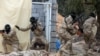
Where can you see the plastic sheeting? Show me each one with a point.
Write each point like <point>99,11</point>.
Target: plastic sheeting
<point>16,12</point>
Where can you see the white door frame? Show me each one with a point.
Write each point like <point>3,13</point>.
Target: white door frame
<point>48,18</point>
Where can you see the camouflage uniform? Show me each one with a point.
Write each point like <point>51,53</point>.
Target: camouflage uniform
<point>65,34</point>
<point>10,39</point>
<point>90,29</point>
<point>38,36</point>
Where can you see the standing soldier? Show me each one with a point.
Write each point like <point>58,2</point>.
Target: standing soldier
<point>89,30</point>
<point>10,38</point>
<point>65,34</point>
<point>37,29</point>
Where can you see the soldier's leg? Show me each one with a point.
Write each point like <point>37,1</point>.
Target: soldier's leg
<point>93,42</point>
<point>15,47</point>
<point>32,44</point>
<point>46,43</point>
<point>42,46</point>
<point>63,49</point>
<point>86,39</point>
<point>59,53</point>
<point>5,46</point>
<point>93,39</point>
<point>69,46</point>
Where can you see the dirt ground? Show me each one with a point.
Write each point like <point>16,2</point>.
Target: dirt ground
<point>78,48</point>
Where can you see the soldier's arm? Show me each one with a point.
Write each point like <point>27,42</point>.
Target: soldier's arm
<point>23,29</point>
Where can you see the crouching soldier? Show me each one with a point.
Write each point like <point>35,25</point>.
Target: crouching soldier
<point>38,39</point>
<point>66,32</point>
<point>89,30</point>
<point>9,38</point>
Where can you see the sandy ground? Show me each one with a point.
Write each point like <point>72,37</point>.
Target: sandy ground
<point>78,48</point>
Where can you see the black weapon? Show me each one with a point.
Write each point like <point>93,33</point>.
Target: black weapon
<point>2,31</point>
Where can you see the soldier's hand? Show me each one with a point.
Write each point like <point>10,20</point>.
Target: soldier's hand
<point>17,27</point>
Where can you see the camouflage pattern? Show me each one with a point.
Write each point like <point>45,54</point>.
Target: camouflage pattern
<point>66,34</point>
<point>90,29</point>
<point>38,35</point>
<point>10,39</point>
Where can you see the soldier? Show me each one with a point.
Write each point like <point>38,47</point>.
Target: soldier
<point>37,29</point>
<point>66,25</point>
<point>65,34</point>
<point>10,38</point>
<point>89,30</point>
